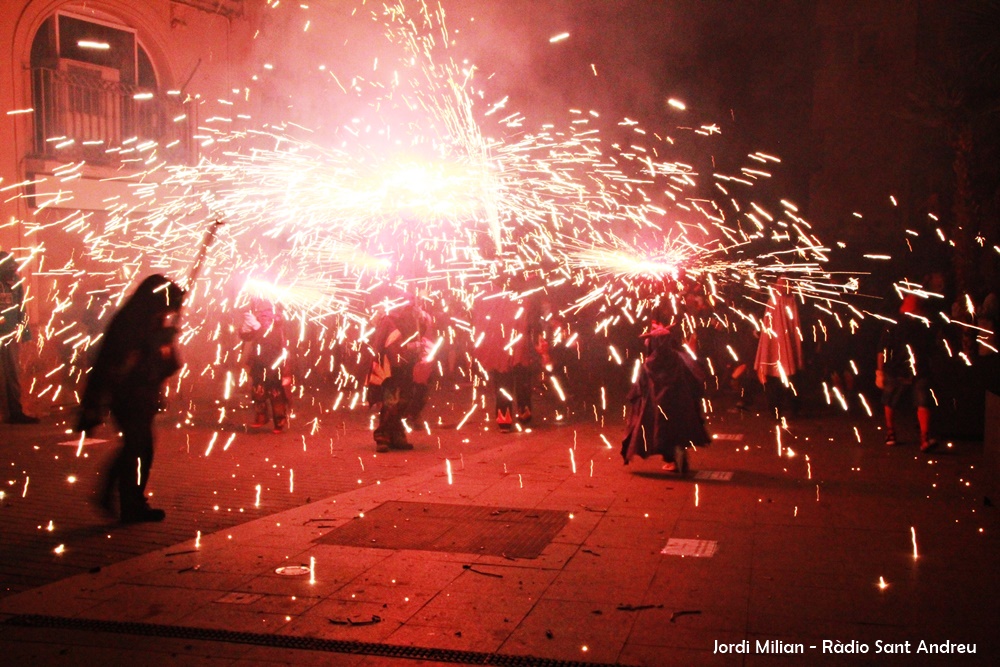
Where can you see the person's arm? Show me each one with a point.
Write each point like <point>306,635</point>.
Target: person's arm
<point>249,327</point>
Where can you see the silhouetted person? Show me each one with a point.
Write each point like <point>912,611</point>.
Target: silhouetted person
<point>509,329</point>
<point>904,369</point>
<point>779,349</point>
<point>13,332</point>
<point>665,404</point>
<point>136,358</point>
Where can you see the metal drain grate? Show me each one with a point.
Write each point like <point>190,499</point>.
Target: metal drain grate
<point>475,529</point>
<point>290,642</point>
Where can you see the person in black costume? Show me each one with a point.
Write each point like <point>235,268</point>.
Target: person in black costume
<point>665,412</point>
<point>137,356</point>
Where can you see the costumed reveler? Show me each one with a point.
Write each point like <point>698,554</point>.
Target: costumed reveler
<point>136,358</point>
<point>401,346</point>
<point>268,361</point>
<point>664,403</point>
<point>509,327</point>
<point>13,332</point>
<point>779,350</point>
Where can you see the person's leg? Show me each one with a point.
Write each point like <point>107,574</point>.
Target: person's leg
<point>772,396</point>
<point>9,369</point>
<point>258,394</point>
<point>523,387</point>
<point>922,397</point>
<point>504,385</point>
<point>279,404</point>
<point>383,430</point>
<point>418,399</point>
<point>133,465</point>
<point>924,420</point>
<point>890,426</point>
<point>397,411</point>
<point>106,492</point>
<point>7,381</point>
<point>390,433</point>
<point>891,391</point>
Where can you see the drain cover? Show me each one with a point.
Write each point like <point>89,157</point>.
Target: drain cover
<point>293,570</point>
<point>494,531</point>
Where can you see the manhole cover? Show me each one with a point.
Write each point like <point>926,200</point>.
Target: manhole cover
<point>293,570</point>
<point>495,531</point>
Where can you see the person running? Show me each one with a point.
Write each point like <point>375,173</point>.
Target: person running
<point>137,356</point>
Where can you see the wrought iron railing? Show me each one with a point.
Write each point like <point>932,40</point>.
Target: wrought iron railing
<point>80,116</point>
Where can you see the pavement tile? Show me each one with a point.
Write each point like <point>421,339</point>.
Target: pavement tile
<point>568,630</point>
<point>635,532</point>
<point>347,620</point>
<point>147,604</point>
<point>234,618</point>
<point>696,583</point>
<point>511,591</point>
<point>454,628</point>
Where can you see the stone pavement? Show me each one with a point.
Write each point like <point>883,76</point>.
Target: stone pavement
<point>807,536</point>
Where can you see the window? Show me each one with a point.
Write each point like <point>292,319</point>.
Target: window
<point>94,90</point>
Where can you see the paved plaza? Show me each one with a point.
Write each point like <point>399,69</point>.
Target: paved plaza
<point>537,547</point>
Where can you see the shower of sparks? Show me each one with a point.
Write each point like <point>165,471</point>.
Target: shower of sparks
<point>913,539</point>
<point>447,468</point>
<point>337,225</point>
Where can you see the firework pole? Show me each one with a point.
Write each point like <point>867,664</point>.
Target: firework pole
<point>203,252</point>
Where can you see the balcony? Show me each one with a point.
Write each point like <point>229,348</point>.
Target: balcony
<point>83,113</point>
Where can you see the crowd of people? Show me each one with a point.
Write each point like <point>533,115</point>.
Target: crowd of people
<point>521,344</point>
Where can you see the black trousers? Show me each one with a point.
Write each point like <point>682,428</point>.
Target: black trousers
<point>397,404</point>
<point>513,386</point>
<point>11,386</point>
<point>129,471</point>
